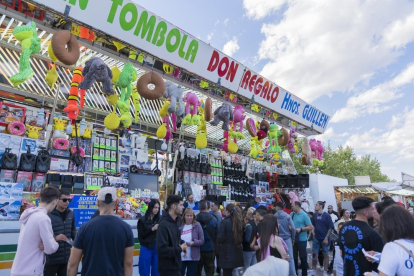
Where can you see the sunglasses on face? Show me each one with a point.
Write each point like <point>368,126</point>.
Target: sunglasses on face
<point>66,199</point>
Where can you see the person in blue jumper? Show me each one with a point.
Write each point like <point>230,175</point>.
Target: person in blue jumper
<point>191,203</point>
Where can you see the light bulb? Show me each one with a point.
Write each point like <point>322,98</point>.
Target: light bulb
<point>164,146</point>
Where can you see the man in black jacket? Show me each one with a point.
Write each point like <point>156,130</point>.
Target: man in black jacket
<point>63,224</point>
<point>210,229</point>
<point>169,243</point>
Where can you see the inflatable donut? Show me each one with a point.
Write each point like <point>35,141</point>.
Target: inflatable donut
<point>61,39</point>
<point>16,128</point>
<point>251,127</point>
<point>61,144</point>
<point>283,140</point>
<point>81,151</point>
<point>208,110</point>
<point>264,125</point>
<point>151,78</point>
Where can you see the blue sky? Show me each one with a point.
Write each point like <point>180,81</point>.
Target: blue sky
<point>352,59</point>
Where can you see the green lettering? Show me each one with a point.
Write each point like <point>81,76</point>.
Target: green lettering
<point>114,8</point>
<point>82,3</point>
<point>181,52</point>
<point>173,33</point>
<point>147,26</point>
<point>159,36</point>
<point>125,25</point>
<point>192,50</point>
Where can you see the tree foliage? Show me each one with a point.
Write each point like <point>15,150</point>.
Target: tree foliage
<point>342,162</point>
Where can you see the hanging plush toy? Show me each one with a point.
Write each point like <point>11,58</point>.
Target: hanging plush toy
<point>96,70</point>
<point>319,150</point>
<point>112,121</point>
<point>306,153</point>
<point>253,147</point>
<point>273,134</point>
<point>51,76</point>
<point>135,101</point>
<point>33,131</point>
<point>59,128</point>
<point>76,96</point>
<point>175,95</point>
<point>313,147</point>
<point>238,118</point>
<point>276,159</point>
<point>283,139</point>
<point>127,76</point>
<point>191,108</point>
<point>263,129</point>
<point>225,114</point>
<point>201,138</point>
<point>293,138</point>
<point>27,35</point>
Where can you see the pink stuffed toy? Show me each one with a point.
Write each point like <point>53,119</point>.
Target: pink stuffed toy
<point>314,147</point>
<point>319,150</point>
<point>238,117</point>
<point>293,197</point>
<point>191,109</point>
<point>293,136</point>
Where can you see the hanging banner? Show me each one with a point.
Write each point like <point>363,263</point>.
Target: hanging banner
<point>136,26</point>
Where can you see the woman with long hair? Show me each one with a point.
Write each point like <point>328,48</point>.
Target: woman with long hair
<point>192,234</point>
<point>230,238</point>
<point>250,231</point>
<point>270,243</point>
<point>396,228</point>
<point>147,230</point>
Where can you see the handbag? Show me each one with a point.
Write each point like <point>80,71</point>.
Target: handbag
<point>334,236</point>
<point>405,249</point>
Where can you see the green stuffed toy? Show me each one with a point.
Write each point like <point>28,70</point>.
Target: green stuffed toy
<point>127,76</point>
<point>27,35</point>
<point>273,133</point>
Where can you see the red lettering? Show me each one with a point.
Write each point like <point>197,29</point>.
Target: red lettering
<point>221,71</point>
<point>265,90</point>
<point>252,82</point>
<point>268,94</point>
<point>258,86</point>
<point>246,79</point>
<point>215,58</point>
<point>275,94</point>
<point>232,71</point>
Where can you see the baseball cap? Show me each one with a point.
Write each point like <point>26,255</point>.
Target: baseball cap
<point>107,195</point>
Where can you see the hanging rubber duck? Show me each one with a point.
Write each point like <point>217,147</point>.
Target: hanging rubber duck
<point>51,76</point>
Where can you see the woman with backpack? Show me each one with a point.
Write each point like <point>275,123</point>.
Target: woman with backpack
<point>250,230</point>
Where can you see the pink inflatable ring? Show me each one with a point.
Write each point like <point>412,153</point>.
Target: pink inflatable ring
<point>251,127</point>
<point>81,151</point>
<point>16,128</point>
<point>61,144</point>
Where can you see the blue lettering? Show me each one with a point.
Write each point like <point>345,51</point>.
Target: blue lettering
<point>286,101</point>
<point>409,264</point>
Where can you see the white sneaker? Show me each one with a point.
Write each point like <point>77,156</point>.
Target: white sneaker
<point>321,269</point>
<point>325,273</point>
<point>312,272</point>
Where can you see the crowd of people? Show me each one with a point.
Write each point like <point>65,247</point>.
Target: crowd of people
<point>378,240</point>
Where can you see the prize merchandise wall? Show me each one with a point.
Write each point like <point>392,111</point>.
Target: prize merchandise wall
<point>91,109</point>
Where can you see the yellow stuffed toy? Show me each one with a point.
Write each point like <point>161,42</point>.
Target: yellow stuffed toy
<point>59,124</point>
<point>201,138</point>
<point>135,101</point>
<point>112,121</point>
<point>33,131</point>
<point>51,76</point>
<point>162,131</point>
<point>88,133</point>
<point>164,109</point>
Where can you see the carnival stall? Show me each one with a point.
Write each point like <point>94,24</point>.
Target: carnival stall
<point>126,99</point>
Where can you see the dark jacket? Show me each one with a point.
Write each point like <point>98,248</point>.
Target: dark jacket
<point>186,206</point>
<point>210,229</point>
<point>146,236</point>
<point>231,256</point>
<point>168,245</point>
<point>250,231</point>
<point>67,227</point>
<point>197,237</point>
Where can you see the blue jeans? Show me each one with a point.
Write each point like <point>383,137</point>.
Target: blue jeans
<point>191,267</point>
<point>148,261</point>
<point>292,270</point>
<point>249,259</point>
<point>317,244</point>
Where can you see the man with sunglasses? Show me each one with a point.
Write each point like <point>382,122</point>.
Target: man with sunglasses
<point>63,225</point>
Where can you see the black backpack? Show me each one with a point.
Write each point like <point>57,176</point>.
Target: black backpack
<point>9,160</point>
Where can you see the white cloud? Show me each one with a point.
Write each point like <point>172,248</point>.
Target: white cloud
<point>226,21</point>
<point>320,47</point>
<point>258,9</point>
<point>210,36</point>
<point>330,135</point>
<point>397,143</point>
<point>375,99</point>
<point>231,47</point>
<point>217,22</point>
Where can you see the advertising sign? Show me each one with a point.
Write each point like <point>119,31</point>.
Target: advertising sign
<point>10,200</point>
<point>83,208</point>
<point>136,26</point>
